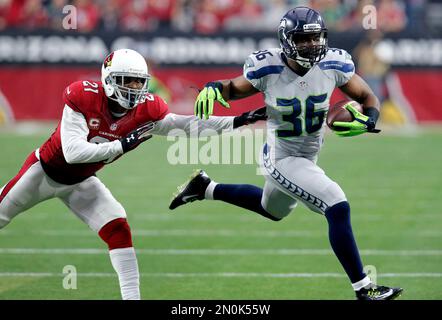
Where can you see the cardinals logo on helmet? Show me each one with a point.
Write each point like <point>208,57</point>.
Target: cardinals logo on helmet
<point>108,61</point>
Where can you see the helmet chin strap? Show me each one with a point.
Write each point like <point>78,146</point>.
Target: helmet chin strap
<point>303,62</point>
<point>114,98</point>
<point>114,113</point>
<point>118,115</point>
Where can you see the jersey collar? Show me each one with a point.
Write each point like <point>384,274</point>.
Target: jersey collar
<point>284,59</point>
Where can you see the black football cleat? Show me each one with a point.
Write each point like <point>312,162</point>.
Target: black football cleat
<point>193,189</point>
<point>378,293</point>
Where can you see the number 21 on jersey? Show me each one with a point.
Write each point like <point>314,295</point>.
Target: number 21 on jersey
<point>302,116</point>
<point>90,86</point>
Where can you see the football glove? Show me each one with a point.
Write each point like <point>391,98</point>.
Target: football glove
<point>250,117</point>
<point>134,138</point>
<point>361,124</point>
<point>206,99</point>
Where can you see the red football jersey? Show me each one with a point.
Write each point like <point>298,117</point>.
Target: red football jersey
<point>89,99</point>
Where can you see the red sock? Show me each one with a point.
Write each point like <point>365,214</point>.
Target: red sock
<point>116,234</point>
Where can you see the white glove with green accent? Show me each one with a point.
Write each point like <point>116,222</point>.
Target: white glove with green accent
<point>206,99</point>
<point>361,124</point>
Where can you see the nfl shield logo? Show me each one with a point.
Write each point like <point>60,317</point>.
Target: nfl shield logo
<point>113,126</point>
<point>303,84</point>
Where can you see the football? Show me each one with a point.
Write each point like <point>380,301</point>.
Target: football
<point>337,112</point>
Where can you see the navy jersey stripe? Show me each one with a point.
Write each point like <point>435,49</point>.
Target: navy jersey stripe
<point>264,71</point>
<point>337,65</point>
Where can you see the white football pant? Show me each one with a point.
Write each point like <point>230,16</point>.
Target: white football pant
<point>89,200</point>
<point>293,179</point>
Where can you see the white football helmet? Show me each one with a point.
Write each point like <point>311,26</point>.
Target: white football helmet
<point>119,65</point>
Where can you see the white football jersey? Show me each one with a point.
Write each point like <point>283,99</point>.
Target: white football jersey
<point>297,106</point>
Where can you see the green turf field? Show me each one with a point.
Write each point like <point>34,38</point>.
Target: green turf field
<point>210,250</point>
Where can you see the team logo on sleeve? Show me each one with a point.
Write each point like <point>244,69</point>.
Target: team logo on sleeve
<point>108,61</point>
<point>114,126</point>
<point>94,123</point>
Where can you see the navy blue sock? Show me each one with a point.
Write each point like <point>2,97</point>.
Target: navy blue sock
<point>242,195</point>
<point>342,240</point>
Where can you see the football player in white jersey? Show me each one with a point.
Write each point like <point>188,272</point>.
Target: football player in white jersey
<point>297,81</point>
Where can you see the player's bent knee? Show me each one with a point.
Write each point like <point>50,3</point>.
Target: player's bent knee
<point>272,217</point>
<point>3,222</point>
<point>4,217</point>
<point>334,195</point>
<point>339,210</point>
<point>116,234</point>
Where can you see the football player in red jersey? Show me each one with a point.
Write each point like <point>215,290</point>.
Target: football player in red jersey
<point>100,122</point>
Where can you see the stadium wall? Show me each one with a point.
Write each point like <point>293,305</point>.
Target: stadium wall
<point>36,67</point>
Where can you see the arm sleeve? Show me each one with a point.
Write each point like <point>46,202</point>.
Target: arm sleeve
<point>179,125</point>
<point>76,148</point>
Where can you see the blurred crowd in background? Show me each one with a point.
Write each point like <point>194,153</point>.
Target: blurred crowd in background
<point>206,16</point>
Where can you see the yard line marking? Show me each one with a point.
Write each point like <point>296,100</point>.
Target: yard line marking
<point>152,217</point>
<point>222,275</point>
<point>182,233</point>
<point>207,233</point>
<point>210,217</point>
<point>250,217</point>
<point>220,252</point>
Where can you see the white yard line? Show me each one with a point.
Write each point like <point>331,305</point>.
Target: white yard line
<point>220,252</point>
<point>207,233</point>
<point>179,233</point>
<point>434,214</point>
<point>223,275</point>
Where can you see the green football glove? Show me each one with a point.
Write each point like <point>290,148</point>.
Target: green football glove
<point>350,132</point>
<point>206,99</point>
<point>361,124</point>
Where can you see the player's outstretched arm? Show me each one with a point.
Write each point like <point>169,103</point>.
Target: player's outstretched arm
<point>250,117</point>
<point>176,125</point>
<point>76,149</point>
<point>221,91</point>
<point>357,89</point>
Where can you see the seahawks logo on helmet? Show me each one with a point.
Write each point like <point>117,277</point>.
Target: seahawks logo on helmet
<point>285,24</point>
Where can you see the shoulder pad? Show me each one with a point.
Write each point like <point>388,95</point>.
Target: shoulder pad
<point>338,65</point>
<point>262,63</point>
<point>154,108</point>
<point>337,59</point>
<point>82,94</point>
<point>337,54</point>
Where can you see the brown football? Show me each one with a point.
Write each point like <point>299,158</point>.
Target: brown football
<point>337,112</point>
